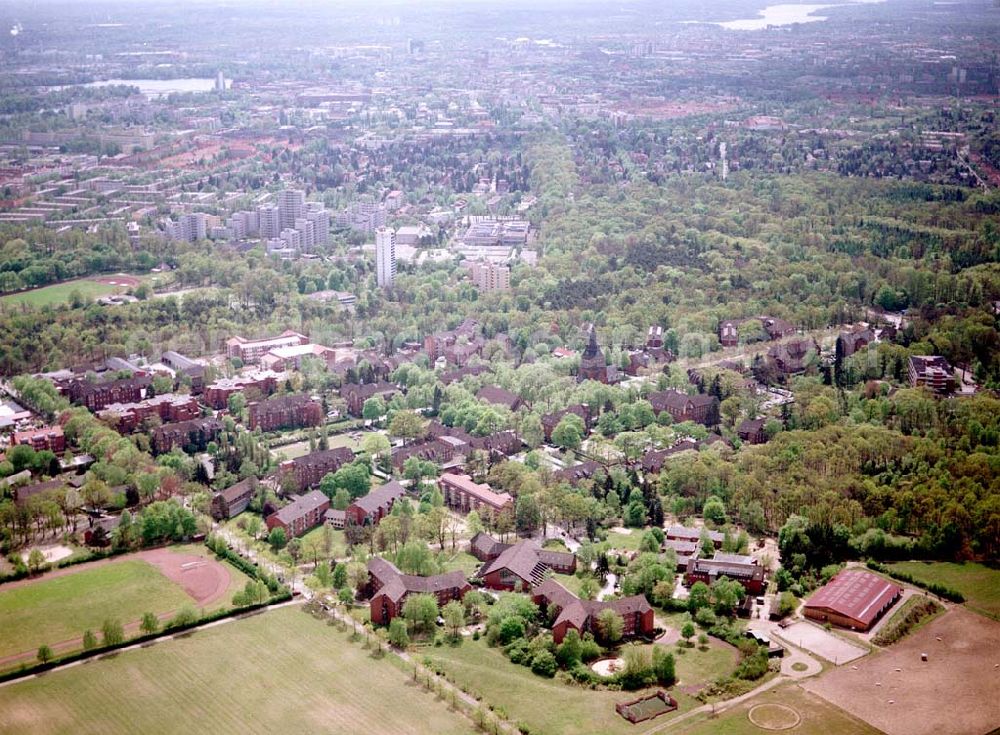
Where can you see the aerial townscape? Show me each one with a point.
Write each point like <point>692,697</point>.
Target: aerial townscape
<point>549,367</point>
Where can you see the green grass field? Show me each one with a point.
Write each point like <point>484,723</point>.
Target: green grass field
<point>624,541</point>
<point>549,706</point>
<point>462,560</point>
<point>280,671</point>
<point>62,608</point>
<point>59,293</point>
<point>979,583</point>
<point>59,609</point>
<point>338,547</point>
<point>817,717</point>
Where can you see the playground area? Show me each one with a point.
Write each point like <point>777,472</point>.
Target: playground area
<point>953,691</point>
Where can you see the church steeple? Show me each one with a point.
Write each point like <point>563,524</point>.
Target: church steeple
<point>592,350</point>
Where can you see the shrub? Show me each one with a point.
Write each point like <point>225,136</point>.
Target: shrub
<point>544,663</point>
<point>589,650</point>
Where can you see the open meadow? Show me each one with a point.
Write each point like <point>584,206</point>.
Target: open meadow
<point>788,709</point>
<point>57,608</point>
<point>550,706</point>
<point>979,583</point>
<point>276,671</point>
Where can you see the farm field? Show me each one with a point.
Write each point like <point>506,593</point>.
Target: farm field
<point>899,694</point>
<point>778,706</point>
<point>979,583</point>
<point>547,705</point>
<point>91,288</point>
<point>56,609</point>
<point>279,671</point>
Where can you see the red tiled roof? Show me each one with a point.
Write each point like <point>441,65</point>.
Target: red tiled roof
<point>855,594</point>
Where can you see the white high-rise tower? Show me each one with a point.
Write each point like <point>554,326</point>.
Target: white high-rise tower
<point>385,256</point>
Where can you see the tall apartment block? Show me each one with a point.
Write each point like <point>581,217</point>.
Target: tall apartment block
<point>385,256</point>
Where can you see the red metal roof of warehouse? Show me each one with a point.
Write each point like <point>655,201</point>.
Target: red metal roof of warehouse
<point>855,594</point>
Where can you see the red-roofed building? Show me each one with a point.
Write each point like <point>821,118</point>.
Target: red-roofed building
<point>461,493</point>
<point>48,437</point>
<point>852,599</point>
<point>573,613</point>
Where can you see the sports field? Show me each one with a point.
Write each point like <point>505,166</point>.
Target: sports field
<point>979,583</point>
<point>90,288</point>
<point>279,671</point>
<point>56,609</point>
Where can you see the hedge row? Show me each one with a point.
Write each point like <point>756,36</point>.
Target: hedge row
<point>933,587</point>
<point>39,667</point>
<point>218,546</point>
<point>897,628</point>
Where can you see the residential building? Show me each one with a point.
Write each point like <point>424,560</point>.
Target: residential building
<point>320,219</point>
<point>850,342</point>
<point>572,613</point>
<point>524,565</point>
<point>500,397</point>
<point>446,344</point>
<point>355,395</point>
<point>96,396</point>
<point>777,328</point>
<point>385,257</point>
<point>794,356</point>
<point>307,471</point>
<point>376,505</point>
<point>49,438</point>
<point>932,372</point>
<point>188,227</point>
<point>701,407</point>
<point>290,357</point>
<point>285,412</point>
<point>462,494</point>
<point>488,276</point>
<point>291,206</point>
<point>682,533</point>
<point>300,515</point>
<point>752,431</point>
<point>388,589</point>
<point>551,420</point>
<point>742,569</point>
<point>269,221</point>
<point>195,433</point>
<point>217,394</point>
<point>169,407</point>
<point>232,501</point>
<point>854,598</point>
<point>251,350</point>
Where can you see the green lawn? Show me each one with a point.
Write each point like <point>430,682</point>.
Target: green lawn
<point>339,546</point>
<point>979,583</point>
<point>549,706</point>
<point>625,541</point>
<point>280,671</point>
<point>62,608</point>
<point>817,717</point>
<point>58,293</point>
<point>461,560</point>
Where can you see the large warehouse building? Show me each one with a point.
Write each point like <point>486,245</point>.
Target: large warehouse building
<point>852,599</point>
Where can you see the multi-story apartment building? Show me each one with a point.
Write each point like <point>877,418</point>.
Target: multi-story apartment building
<point>385,257</point>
